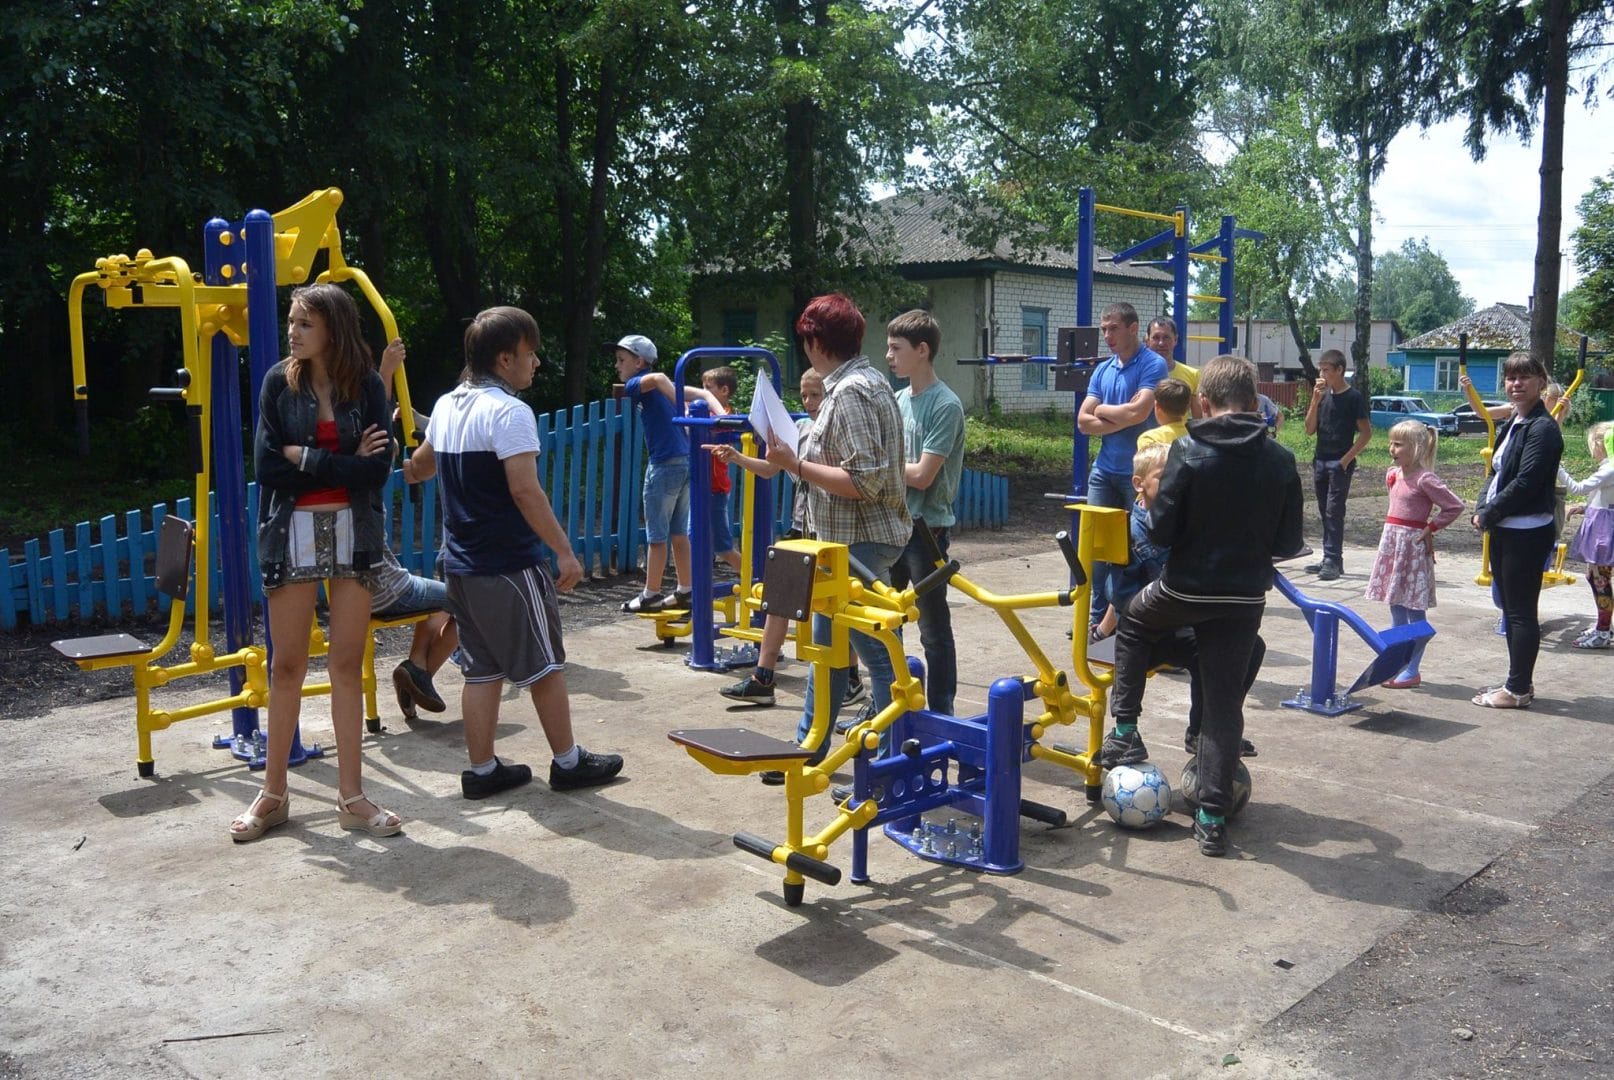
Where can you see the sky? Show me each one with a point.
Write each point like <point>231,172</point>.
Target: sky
<point>1482,215</point>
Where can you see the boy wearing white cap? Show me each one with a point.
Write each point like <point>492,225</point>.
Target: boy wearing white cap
<point>666,479</point>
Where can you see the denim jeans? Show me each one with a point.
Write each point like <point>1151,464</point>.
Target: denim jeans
<point>877,559</point>
<point>1333,486</point>
<point>1106,489</point>
<point>935,621</point>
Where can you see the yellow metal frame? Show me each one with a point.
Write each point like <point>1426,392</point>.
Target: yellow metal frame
<point>879,611</point>
<point>144,281</point>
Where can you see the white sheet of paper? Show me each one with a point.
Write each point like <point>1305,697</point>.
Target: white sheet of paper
<point>768,414</point>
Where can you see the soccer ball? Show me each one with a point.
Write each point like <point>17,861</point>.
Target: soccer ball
<point>1136,796</point>
<point>1189,784</point>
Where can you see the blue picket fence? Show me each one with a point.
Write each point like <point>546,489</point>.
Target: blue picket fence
<point>592,466</point>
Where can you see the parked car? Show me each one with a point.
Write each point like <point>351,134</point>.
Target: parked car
<point>1387,411</point>
<point>1470,422</point>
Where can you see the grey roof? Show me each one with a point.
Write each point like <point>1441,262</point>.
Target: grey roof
<point>1503,327</point>
<point>926,227</point>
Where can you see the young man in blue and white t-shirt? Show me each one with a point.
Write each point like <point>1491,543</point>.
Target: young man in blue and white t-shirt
<point>483,441</point>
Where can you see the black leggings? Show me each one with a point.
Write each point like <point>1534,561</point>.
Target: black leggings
<point>1517,556</point>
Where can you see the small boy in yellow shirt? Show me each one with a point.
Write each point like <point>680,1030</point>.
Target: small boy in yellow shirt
<point>1171,400</point>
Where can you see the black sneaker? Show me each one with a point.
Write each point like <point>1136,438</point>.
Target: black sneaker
<point>502,778</point>
<point>1331,571</point>
<point>591,770</point>
<point>844,725</point>
<point>644,605</point>
<point>750,689</point>
<point>1312,568</point>
<point>1190,743</point>
<point>678,600</point>
<point>1120,749</point>
<point>772,777</point>
<point>409,677</point>
<point>856,691</point>
<point>1212,837</point>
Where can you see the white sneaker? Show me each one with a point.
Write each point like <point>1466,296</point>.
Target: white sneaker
<point>1594,639</point>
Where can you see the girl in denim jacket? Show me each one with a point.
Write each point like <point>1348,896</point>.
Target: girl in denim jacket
<point>321,455</point>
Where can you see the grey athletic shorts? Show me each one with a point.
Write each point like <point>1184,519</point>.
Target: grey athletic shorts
<point>509,626</point>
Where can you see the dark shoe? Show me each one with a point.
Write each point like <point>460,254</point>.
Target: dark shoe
<point>502,778</point>
<point>644,605</point>
<point>842,726</point>
<point>1190,743</point>
<point>678,600</point>
<point>409,676</point>
<point>404,690</point>
<point>1312,568</point>
<point>856,692</point>
<point>591,770</point>
<point>1122,750</point>
<point>772,777</point>
<point>1212,837</point>
<point>1330,572</point>
<point>750,689</point>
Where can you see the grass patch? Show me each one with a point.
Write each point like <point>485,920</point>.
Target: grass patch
<point>1040,443</point>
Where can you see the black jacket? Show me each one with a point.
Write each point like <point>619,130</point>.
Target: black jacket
<point>1229,502</point>
<point>1526,475</point>
<point>286,418</point>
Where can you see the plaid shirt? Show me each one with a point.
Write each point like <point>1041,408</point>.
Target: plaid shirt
<point>860,430</point>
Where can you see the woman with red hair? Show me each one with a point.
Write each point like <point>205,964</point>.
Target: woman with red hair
<point>851,466</point>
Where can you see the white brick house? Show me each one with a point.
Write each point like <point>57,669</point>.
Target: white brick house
<point>987,301</point>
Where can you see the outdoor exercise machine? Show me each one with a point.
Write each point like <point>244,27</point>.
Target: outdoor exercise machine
<point>232,303</point>
<point>1391,648</point>
<point>1554,573</point>
<point>756,518</point>
<point>907,761</point>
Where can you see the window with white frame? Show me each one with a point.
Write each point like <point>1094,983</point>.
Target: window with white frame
<point>1446,374</point>
<point>1034,342</point>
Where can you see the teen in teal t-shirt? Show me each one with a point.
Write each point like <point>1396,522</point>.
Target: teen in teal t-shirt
<point>933,423</point>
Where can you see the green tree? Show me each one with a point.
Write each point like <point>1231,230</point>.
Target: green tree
<point>1415,287</point>
<point>1503,61</point>
<point>1038,98</point>
<point>1592,309</point>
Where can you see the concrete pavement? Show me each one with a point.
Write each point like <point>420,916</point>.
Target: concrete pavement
<point>618,932</point>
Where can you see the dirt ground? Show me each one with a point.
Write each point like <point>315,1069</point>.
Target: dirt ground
<point>1509,974</point>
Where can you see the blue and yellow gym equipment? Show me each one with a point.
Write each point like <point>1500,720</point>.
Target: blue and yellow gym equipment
<point>1391,650</point>
<point>233,303</point>
<point>907,761</point>
<point>756,519</point>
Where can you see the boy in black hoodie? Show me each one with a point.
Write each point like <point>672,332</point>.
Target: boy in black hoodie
<point>1229,503</point>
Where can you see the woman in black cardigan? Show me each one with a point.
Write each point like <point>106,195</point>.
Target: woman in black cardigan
<point>1516,509</point>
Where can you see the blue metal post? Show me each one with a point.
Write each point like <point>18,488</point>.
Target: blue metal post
<point>700,538</point>
<point>1225,323</point>
<point>1005,749</point>
<point>1085,256</point>
<point>1179,286</point>
<point>230,489</point>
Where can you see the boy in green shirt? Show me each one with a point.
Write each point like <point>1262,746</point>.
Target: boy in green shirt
<point>933,429</point>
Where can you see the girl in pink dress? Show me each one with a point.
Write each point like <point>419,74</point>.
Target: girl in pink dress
<point>1404,571</point>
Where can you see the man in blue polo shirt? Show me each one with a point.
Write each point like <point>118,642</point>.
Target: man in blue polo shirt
<point>1119,407</point>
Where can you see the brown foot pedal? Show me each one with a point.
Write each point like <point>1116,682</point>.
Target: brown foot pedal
<point>739,750</point>
<point>1101,653</point>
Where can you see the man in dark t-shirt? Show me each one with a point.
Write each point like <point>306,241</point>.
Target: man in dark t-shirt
<point>1338,418</point>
